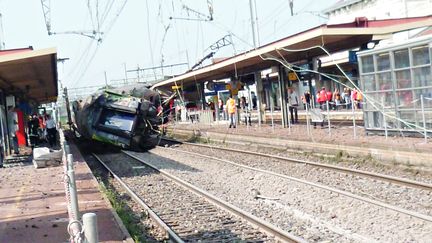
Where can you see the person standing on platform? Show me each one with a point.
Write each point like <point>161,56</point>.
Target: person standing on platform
<point>347,98</point>
<point>293,103</point>
<point>354,98</point>
<point>42,127</point>
<point>13,128</point>
<point>51,131</point>
<point>231,108</point>
<point>329,96</point>
<point>322,98</point>
<point>33,128</point>
<point>221,108</point>
<point>337,99</point>
<point>307,97</point>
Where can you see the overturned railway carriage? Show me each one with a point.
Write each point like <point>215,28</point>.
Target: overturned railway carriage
<point>128,117</point>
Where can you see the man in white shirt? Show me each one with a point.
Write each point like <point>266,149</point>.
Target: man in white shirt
<point>12,118</point>
<point>293,103</point>
<point>51,130</point>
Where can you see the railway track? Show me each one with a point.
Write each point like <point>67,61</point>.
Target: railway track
<point>393,179</point>
<point>391,212</point>
<point>185,212</point>
<point>364,199</point>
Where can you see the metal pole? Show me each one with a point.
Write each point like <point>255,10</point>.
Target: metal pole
<point>257,23</point>
<point>106,80</point>
<point>328,118</point>
<point>385,125</point>
<point>236,117</point>
<point>271,113</point>
<point>73,195</point>
<point>216,105</point>
<point>124,65</point>
<point>66,148</point>
<point>289,121</point>
<point>424,118</point>
<point>257,75</point>
<point>90,227</point>
<point>2,130</point>
<point>307,120</point>
<point>252,23</point>
<point>384,118</point>
<point>68,111</point>
<point>70,160</point>
<point>354,121</point>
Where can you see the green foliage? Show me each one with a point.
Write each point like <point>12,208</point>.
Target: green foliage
<point>130,221</point>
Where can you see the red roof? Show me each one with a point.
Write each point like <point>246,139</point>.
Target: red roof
<point>12,51</point>
<point>363,22</point>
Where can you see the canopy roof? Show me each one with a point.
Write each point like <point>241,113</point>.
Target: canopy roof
<point>30,73</point>
<point>333,38</point>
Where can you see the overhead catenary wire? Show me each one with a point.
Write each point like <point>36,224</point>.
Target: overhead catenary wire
<point>373,102</point>
<point>89,61</point>
<point>108,7</point>
<point>289,66</point>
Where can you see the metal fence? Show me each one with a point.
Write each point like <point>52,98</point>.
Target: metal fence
<point>80,229</point>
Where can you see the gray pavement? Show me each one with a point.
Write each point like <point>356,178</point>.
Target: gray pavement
<point>33,205</point>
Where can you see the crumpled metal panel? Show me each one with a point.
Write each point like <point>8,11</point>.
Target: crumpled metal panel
<point>125,117</point>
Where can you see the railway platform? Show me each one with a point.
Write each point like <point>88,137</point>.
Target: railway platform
<point>411,151</point>
<point>33,205</point>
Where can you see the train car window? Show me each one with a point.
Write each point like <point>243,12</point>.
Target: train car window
<point>117,120</point>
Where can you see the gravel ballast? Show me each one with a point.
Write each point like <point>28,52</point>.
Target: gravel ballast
<point>306,211</point>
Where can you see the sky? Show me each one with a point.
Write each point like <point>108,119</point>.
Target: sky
<point>146,33</point>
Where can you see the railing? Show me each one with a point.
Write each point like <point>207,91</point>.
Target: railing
<point>80,230</point>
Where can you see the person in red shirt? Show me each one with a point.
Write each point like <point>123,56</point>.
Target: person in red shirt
<point>354,98</point>
<point>323,97</point>
<point>329,96</point>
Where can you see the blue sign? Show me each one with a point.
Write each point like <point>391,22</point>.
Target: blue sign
<point>352,57</point>
<point>212,93</point>
<point>219,86</point>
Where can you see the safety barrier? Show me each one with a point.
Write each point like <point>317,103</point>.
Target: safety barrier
<point>79,231</point>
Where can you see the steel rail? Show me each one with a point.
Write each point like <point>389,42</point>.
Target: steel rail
<point>348,194</point>
<point>394,179</point>
<point>172,236</point>
<point>265,226</point>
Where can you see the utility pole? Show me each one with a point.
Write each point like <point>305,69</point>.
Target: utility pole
<point>106,80</point>
<point>66,97</point>
<point>257,24</point>
<point>125,70</point>
<point>291,3</point>
<point>257,75</point>
<point>252,23</point>
<point>2,42</point>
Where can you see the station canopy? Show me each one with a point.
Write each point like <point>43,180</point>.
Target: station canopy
<point>29,73</point>
<point>334,38</point>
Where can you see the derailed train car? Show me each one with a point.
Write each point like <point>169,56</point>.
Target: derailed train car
<point>128,117</point>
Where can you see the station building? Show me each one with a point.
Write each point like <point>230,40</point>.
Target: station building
<point>28,78</point>
<point>294,62</point>
<point>397,83</point>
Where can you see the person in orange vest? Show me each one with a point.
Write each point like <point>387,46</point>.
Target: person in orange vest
<point>354,98</point>
<point>231,108</point>
<point>359,98</point>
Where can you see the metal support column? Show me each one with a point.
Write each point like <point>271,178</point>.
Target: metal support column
<point>259,89</point>
<point>69,115</point>
<point>200,88</point>
<point>283,95</point>
<point>315,76</point>
<point>90,228</point>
